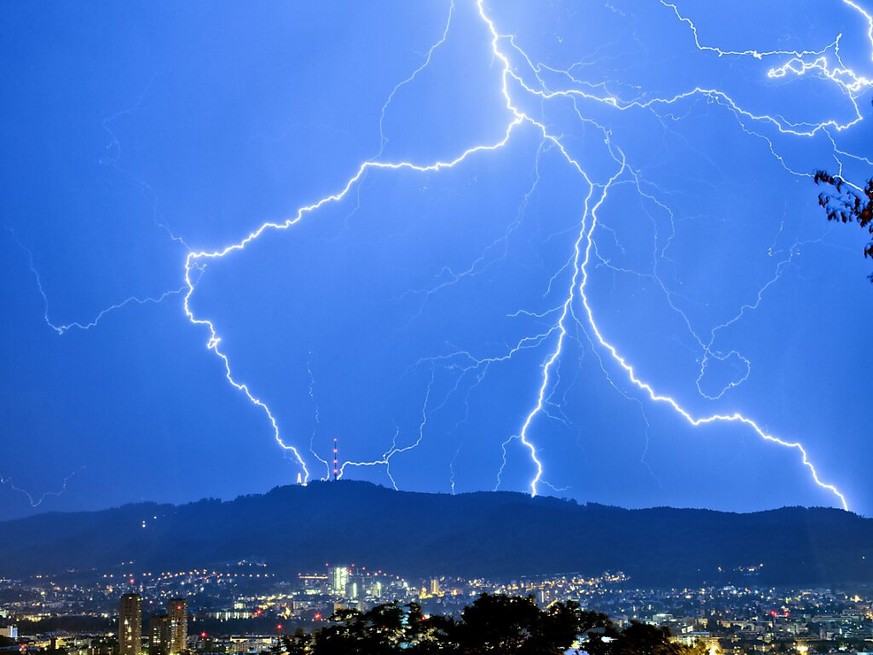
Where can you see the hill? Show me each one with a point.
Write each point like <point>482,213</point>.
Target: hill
<point>497,535</point>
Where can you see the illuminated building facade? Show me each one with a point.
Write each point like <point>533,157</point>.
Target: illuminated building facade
<point>130,625</point>
<point>159,634</point>
<point>339,580</point>
<point>177,610</point>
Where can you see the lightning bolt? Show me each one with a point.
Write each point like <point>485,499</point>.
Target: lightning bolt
<point>395,450</point>
<point>61,328</point>
<point>803,63</point>
<point>383,140</point>
<point>34,500</point>
<point>316,417</point>
<point>577,307</point>
<point>756,54</point>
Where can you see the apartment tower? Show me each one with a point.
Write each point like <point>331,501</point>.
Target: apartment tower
<point>130,625</point>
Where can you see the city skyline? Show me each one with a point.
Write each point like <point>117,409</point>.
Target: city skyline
<point>736,618</point>
<point>454,246</point>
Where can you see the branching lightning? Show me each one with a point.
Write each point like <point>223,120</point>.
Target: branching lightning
<point>395,450</point>
<point>522,78</point>
<point>37,500</point>
<point>61,328</point>
<point>584,248</point>
<point>741,53</point>
<point>316,417</point>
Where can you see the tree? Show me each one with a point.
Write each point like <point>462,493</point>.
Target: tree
<point>509,625</point>
<point>427,635</point>
<point>643,639</point>
<point>514,624</point>
<point>496,624</point>
<point>382,630</point>
<point>296,644</point>
<point>845,203</point>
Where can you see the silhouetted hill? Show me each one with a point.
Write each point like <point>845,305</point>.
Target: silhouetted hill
<point>479,534</point>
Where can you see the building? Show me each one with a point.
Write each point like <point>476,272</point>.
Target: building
<point>177,609</point>
<point>10,632</point>
<point>159,634</point>
<point>339,580</point>
<point>130,625</point>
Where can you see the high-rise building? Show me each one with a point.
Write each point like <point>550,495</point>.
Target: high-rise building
<point>177,609</point>
<point>339,580</point>
<point>159,634</point>
<point>130,625</point>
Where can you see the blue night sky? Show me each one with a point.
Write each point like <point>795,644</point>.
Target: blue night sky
<point>572,247</point>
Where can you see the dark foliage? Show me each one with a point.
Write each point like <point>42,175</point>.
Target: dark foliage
<point>843,203</point>
<point>509,625</point>
<point>638,639</point>
<point>513,624</point>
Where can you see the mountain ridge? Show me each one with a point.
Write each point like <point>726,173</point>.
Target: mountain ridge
<point>476,534</point>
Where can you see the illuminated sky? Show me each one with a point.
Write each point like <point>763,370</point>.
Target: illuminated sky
<point>570,248</point>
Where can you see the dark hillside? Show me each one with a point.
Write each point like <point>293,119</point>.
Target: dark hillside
<point>479,534</point>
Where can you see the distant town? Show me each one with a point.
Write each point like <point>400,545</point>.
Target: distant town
<point>244,608</point>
